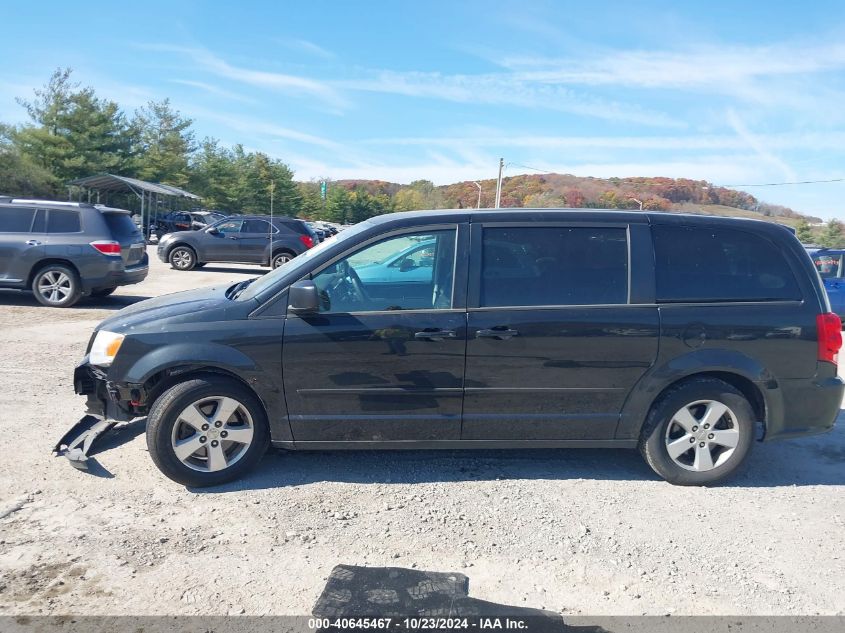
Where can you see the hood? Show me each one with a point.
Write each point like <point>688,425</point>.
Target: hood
<point>192,303</point>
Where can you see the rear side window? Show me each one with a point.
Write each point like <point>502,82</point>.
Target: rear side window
<point>120,225</point>
<point>256,226</point>
<point>554,266</point>
<point>705,264</point>
<point>16,219</point>
<point>62,221</point>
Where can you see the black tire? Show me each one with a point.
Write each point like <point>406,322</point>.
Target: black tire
<point>281,257</point>
<point>66,290</point>
<point>102,292</point>
<point>654,439</point>
<point>165,413</point>
<point>182,258</point>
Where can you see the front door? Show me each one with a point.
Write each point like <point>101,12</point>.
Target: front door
<point>380,362</point>
<point>221,246</point>
<point>554,345</point>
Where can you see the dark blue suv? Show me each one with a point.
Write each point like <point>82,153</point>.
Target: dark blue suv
<point>829,263</point>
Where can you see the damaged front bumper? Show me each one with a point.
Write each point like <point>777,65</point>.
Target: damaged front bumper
<point>108,403</point>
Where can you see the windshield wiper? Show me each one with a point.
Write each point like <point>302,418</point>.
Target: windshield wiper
<point>239,287</point>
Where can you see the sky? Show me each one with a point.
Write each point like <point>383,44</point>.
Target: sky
<point>736,93</point>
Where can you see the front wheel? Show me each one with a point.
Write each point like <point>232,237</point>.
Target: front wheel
<point>183,258</point>
<point>207,431</point>
<point>698,433</point>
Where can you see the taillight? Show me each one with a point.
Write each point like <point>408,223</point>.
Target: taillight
<point>307,240</point>
<point>107,248</point>
<point>829,332</point>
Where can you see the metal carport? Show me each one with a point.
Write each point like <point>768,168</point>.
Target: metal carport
<point>147,192</point>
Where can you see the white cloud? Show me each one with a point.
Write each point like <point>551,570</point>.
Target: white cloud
<point>506,89</point>
<point>213,89</point>
<point>706,66</point>
<point>211,63</point>
<point>309,47</point>
<point>758,145</point>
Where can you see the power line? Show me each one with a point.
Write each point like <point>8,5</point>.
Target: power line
<point>780,184</point>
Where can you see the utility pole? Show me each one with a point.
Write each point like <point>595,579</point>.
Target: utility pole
<point>639,202</point>
<point>499,182</point>
<point>270,231</point>
<point>478,206</point>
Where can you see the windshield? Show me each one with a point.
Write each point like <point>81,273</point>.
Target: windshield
<point>299,262</point>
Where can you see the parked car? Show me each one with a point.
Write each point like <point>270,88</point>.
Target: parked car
<point>687,337</point>
<point>247,239</point>
<point>829,263</point>
<point>176,221</point>
<point>317,230</point>
<point>63,251</point>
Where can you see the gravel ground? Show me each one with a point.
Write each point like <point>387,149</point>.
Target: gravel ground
<point>575,531</point>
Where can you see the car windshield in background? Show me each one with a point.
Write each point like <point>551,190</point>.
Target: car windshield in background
<point>268,280</point>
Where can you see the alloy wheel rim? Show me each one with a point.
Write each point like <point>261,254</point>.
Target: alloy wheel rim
<point>212,434</point>
<point>54,286</point>
<point>281,260</point>
<point>702,435</point>
<point>182,258</point>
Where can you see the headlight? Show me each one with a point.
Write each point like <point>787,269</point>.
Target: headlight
<point>105,347</point>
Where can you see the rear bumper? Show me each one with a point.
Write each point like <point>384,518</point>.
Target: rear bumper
<point>809,407</point>
<point>118,275</point>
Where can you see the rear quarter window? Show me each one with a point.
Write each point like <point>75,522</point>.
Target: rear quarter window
<point>704,264</point>
<point>63,221</point>
<point>120,225</point>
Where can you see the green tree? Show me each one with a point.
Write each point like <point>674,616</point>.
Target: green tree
<point>312,207</point>
<point>164,144</point>
<point>19,175</point>
<point>832,235</point>
<point>804,232</point>
<point>255,173</point>
<point>214,176</point>
<point>73,132</point>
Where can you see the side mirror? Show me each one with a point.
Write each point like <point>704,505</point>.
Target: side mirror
<point>212,231</point>
<point>406,265</point>
<point>303,297</point>
<point>196,226</point>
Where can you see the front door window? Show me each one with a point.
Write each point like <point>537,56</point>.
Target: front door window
<point>413,271</point>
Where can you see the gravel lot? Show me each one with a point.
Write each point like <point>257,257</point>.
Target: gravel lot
<point>579,532</point>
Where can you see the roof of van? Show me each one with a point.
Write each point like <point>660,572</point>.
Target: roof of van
<point>520,214</point>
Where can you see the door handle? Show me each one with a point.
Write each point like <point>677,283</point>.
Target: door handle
<point>503,334</point>
<point>434,334</point>
<point>232,237</point>
<point>33,243</point>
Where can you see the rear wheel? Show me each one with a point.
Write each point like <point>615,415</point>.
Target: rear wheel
<point>183,258</point>
<point>207,431</point>
<point>281,258</point>
<point>57,286</point>
<point>698,433</point>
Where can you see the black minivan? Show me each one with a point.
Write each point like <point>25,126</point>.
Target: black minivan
<point>688,337</point>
